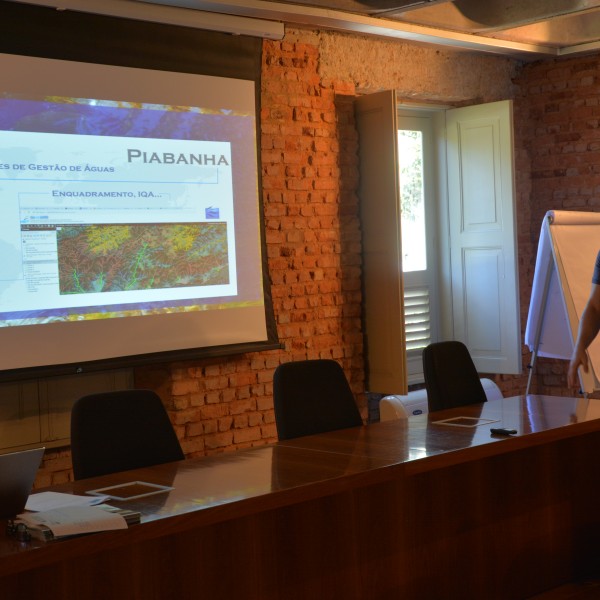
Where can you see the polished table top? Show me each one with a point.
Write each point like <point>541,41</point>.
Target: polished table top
<point>219,487</point>
<point>436,435</point>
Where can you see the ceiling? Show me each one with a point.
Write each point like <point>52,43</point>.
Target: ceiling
<point>555,23</point>
<point>524,29</point>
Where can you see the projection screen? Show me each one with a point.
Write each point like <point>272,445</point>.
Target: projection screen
<point>129,213</point>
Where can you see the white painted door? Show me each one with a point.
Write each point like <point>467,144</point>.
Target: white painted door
<point>482,233</point>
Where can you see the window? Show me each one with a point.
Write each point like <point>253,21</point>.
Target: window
<point>416,169</point>
<point>468,290</point>
<point>458,234</point>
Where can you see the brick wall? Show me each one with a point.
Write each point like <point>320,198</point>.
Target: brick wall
<point>310,177</point>
<point>557,126</point>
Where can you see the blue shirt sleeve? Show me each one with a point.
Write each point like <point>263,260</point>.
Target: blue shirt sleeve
<point>596,277</point>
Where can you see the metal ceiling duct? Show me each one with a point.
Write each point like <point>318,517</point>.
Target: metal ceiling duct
<point>376,6</point>
<point>526,29</point>
<point>502,14</point>
<point>475,16</point>
<point>370,7</point>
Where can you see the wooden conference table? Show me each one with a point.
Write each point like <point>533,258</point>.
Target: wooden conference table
<point>403,509</point>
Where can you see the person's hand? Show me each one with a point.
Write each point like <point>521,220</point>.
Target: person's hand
<point>579,359</point>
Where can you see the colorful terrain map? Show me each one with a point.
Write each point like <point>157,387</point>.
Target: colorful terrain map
<point>116,258</point>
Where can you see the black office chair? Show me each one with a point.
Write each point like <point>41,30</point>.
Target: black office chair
<point>451,378</point>
<point>312,396</point>
<point>121,430</point>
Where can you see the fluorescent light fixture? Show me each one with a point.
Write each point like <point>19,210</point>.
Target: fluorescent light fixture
<point>170,15</point>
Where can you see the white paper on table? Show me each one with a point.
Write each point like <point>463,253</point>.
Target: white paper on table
<point>51,500</point>
<point>73,520</point>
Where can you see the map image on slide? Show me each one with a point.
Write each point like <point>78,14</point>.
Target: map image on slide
<point>125,257</point>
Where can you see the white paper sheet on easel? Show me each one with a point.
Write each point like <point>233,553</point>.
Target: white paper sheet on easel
<point>569,243</point>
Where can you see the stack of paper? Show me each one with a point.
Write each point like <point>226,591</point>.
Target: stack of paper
<point>53,515</point>
<point>71,520</point>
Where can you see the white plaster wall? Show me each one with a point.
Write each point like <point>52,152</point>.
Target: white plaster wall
<point>418,72</point>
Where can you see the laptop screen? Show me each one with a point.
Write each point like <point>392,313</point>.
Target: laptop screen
<point>17,474</point>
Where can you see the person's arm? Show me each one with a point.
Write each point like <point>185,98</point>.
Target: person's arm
<point>588,329</point>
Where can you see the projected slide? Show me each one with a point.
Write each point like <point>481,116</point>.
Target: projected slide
<point>112,216</point>
<point>125,193</point>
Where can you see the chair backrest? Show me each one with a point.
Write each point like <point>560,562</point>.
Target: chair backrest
<point>119,431</point>
<point>451,378</point>
<point>312,396</point>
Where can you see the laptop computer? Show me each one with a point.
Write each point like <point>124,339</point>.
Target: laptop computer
<point>17,474</point>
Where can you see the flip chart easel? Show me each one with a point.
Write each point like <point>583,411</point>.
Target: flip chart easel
<point>569,243</point>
